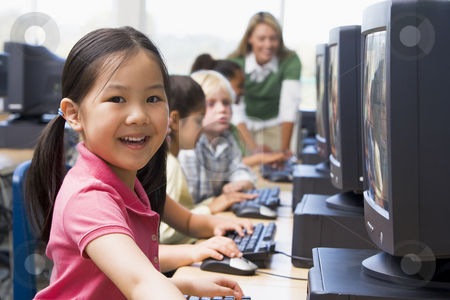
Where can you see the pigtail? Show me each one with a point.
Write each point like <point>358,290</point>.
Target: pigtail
<point>45,177</point>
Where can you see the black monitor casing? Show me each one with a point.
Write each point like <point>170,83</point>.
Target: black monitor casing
<point>418,130</point>
<point>346,172</point>
<point>34,82</point>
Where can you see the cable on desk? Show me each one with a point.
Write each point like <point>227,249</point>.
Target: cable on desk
<point>292,256</point>
<point>283,276</point>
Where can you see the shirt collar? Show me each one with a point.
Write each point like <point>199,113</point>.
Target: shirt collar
<point>101,171</point>
<point>221,147</point>
<point>257,72</point>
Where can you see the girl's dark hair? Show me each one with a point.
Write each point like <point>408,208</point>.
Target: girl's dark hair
<point>93,54</point>
<point>226,67</point>
<point>186,95</point>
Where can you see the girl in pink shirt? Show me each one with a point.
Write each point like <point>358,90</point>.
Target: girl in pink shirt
<point>100,221</point>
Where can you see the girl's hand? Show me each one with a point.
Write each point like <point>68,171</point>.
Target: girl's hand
<point>215,286</point>
<point>237,186</point>
<point>233,224</point>
<point>215,247</point>
<point>287,153</point>
<point>225,201</point>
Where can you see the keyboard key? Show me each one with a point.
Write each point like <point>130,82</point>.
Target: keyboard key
<point>258,246</point>
<point>275,192</point>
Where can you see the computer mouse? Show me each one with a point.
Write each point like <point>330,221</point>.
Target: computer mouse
<point>256,211</point>
<point>234,266</point>
<point>281,176</point>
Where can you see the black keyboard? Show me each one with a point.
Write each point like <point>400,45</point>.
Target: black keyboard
<point>215,298</point>
<point>269,197</point>
<point>262,207</point>
<point>257,246</point>
<point>267,169</point>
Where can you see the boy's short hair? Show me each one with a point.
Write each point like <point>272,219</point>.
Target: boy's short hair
<point>211,81</point>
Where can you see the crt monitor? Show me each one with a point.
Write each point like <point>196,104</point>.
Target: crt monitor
<point>406,130</point>
<point>34,81</point>
<point>344,112</point>
<point>322,144</point>
<point>4,70</point>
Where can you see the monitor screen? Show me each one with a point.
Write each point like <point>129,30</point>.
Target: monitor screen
<point>322,138</point>
<point>374,116</point>
<point>333,90</point>
<point>4,70</point>
<point>320,93</point>
<point>34,87</point>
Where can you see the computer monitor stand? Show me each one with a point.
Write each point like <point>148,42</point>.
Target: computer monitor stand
<point>338,274</point>
<point>318,224</point>
<point>323,167</point>
<point>310,155</point>
<point>349,201</point>
<point>307,179</point>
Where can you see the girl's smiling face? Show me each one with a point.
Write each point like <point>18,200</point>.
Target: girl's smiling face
<point>124,117</point>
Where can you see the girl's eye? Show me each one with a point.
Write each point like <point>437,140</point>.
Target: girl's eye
<point>152,99</point>
<point>117,99</point>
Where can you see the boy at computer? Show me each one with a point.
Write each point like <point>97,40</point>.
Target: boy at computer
<point>215,165</point>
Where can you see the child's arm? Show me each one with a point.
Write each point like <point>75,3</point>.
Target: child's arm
<point>118,256</point>
<point>225,201</point>
<point>172,257</point>
<point>209,287</point>
<point>263,158</point>
<point>201,226</point>
<point>237,186</point>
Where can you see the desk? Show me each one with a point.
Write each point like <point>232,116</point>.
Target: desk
<point>11,158</point>
<point>263,286</point>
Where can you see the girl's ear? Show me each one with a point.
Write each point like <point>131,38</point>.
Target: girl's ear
<point>175,116</point>
<point>70,110</point>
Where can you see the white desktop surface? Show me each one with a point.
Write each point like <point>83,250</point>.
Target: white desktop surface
<point>263,286</point>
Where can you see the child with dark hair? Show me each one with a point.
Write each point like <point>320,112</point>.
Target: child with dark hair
<point>100,221</point>
<point>187,109</point>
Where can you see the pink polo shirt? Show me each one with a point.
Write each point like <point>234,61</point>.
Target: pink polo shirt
<point>93,202</point>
